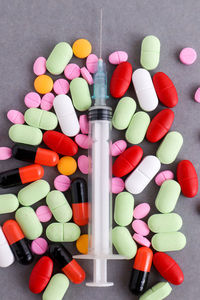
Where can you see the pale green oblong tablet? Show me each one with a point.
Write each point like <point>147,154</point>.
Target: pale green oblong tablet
<point>137,128</point>
<point>33,192</point>
<point>167,196</point>
<point>8,203</point>
<point>150,52</point>
<point>170,147</point>
<point>165,222</point>
<point>56,288</point>
<point>63,232</point>
<point>80,94</point>
<point>59,206</point>
<point>25,134</point>
<point>159,291</point>
<point>168,241</point>
<point>124,111</point>
<point>123,211</point>
<point>59,58</point>
<point>40,118</point>
<point>123,242</point>
<point>29,222</point>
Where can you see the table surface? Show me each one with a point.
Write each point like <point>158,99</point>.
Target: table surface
<point>29,29</point>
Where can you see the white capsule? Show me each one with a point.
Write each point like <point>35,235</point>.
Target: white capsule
<point>6,255</point>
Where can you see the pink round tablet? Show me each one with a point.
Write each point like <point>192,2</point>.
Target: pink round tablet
<point>141,240</point>
<point>141,210</point>
<point>117,185</point>
<point>39,246</point>
<point>62,183</point>
<point>43,213</point>
<point>72,71</point>
<point>92,63</point>
<point>118,57</point>
<point>164,175</point>
<point>39,66</point>
<point>82,141</point>
<point>197,95</point>
<point>15,116</point>
<point>140,227</point>
<point>83,164</point>
<point>5,153</point>
<point>86,75</point>
<point>61,86</point>
<point>47,101</point>
<point>118,147</point>
<point>188,56</point>
<point>32,99</point>
<point>84,124</point>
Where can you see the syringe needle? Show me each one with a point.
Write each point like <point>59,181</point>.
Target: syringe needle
<point>101,28</point>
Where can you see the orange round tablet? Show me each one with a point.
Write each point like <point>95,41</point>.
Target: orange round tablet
<point>82,48</point>
<point>43,84</point>
<point>67,165</point>
<point>82,244</point>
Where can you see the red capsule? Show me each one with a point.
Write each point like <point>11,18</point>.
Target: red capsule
<point>187,178</point>
<point>80,205</point>
<point>127,161</point>
<point>31,173</point>
<point>168,268</point>
<point>160,125</point>
<point>74,272</point>
<point>121,79</point>
<point>165,89</point>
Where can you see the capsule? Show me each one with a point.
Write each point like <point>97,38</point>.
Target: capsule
<point>69,265</point>
<point>80,206</point>
<point>141,269</point>
<point>121,79</point>
<point>6,254</point>
<point>18,243</point>
<point>35,155</point>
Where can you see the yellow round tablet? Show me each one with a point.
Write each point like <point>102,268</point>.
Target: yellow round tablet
<point>82,48</point>
<point>67,165</point>
<point>82,244</point>
<point>43,84</point>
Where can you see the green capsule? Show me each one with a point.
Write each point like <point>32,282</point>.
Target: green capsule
<point>56,288</point>
<point>123,212</point>
<point>159,291</point>
<point>40,118</point>
<point>150,52</point>
<point>137,128</point>
<point>123,242</point>
<point>8,203</point>
<point>80,94</point>
<point>63,232</point>
<point>165,222</point>
<point>168,241</point>
<point>123,113</point>
<point>25,134</point>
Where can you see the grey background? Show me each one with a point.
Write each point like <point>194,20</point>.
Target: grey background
<point>29,29</point>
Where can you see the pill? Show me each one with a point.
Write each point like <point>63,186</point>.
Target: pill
<point>61,86</point>
<point>62,183</point>
<point>168,268</point>
<point>6,256</point>
<point>47,101</point>
<point>150,52</point>
<point>42,119</point>
<point>43,84</point>
<point>117,185</point>
<point>8,203</point>
<point>118,57</point>
<point>66,115</point>
<point>80,205</point>
<point>39,246</point>
<point>187,178</point>
<point>118,147</point>
<point>141,240</point>
<point>43,213</point>
<point>170,147</point>
<point>137,128</point>
<point>59,58</point>
<point>83,164</point>
<point>18,244</point>
<point>162,176</point>
<point>32,99</point>
<point>123,210</point>
<point>67,263</point>
<point>82,141</point>
<point>168,241</point>
<point>92,63</point>
<point>63,232</point>
<point>141,211</point>
<point>188,56</point>
<point>15,116</point>
<point>167,196</point>
<point>197,95</point>
<point>40,275</point>
<point>165,222</point>
<point>140,227</point>
<point>144,89</point>
<point>82,48</point>
<point>140,271</point>
<point>136,182</point>
<point>165,89</point>
<point>25,134</point>
<point>123,242</point>
<point>121,79</point>
<point>29,222</point>
<point>123,113</point>
<point>160,125</point>
<point>159,291</point>
<point>5,153</point>
<point>59,206</point>
<point>56,288</point>
<point>39,66</point>
<point>33,192</point>
<point>84,124</point>
<point>67,165</point>
<point>82,244</point>
<point>80,94</point>
<point>72,71</point>
<point>86,75</point>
